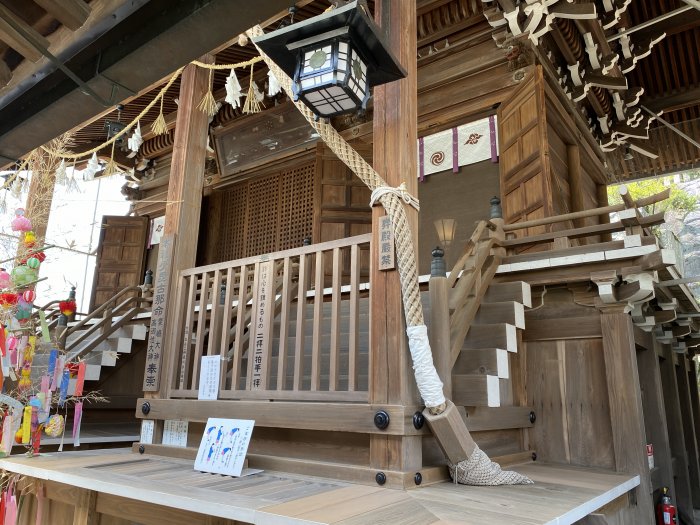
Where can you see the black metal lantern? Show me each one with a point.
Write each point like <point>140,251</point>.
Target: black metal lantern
<point>334,59</point>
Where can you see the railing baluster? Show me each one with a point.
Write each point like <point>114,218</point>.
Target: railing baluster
<point>318,323</point>
<point>187,336</point>
<point>353,335</point>
<point>284,324</point>
<point>201,324</point>
<point>225,338</point>
<point>240,328</point>
<point>215,317</point>
<point>300,337</point>
<point>335,320</point>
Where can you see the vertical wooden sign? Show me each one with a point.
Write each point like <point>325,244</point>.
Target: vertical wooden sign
<point>154,350</point>
<point>261,342</point>
<point>386,244</point>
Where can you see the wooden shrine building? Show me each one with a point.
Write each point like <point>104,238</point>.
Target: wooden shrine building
<point>565,336</point>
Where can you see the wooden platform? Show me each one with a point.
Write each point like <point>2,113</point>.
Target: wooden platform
<point>560,495</point>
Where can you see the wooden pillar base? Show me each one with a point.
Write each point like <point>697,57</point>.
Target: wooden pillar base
<point>451,433</point>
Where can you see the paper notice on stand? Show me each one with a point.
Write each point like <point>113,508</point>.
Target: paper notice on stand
<point>147,429</point>
<point>175,433</point>
<point>224,446</point>
<point>209,374</point>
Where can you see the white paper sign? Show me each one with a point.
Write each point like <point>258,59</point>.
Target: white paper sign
<point>147,428</point>
<point>224,445</point>
<point>175,433</point>
<point>209,374</point>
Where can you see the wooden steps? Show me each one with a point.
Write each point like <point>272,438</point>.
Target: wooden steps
<point>481,371</point>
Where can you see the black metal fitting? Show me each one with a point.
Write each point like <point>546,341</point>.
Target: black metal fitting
<point>534,456</point>
<point>532,417</point>
<point>142,449</point>
<point>418,478</point>
<point>380,478</point>
<point>418,420</point>
<point>145,408</point>
<point>381,419</point>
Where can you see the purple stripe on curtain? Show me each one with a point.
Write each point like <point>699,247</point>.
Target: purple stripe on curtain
<point>492,133</point>
<point>455,150</point>
<point>421,159</point>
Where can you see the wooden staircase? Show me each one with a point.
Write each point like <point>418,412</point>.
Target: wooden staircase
<point>484,321</point>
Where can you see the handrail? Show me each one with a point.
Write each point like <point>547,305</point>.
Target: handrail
<point>646,201</point>
<point>106,305</point>
<point>104,320</point>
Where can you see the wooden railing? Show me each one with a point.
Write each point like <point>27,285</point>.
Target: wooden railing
<point>99,324</point>
<point>630,221</point>
<point>292,325</point>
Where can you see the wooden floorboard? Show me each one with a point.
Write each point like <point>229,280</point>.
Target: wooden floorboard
<point>561,494</point>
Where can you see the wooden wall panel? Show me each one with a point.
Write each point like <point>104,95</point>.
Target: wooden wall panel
<point>524,167</point>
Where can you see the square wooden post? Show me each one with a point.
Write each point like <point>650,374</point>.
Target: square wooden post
<point>676,439</point>
<point>395,154</point>
<point>182,211</point>
<point>626,413</point>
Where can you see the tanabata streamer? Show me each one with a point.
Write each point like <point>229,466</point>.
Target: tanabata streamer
<point>80,380</point>
<point>27,425</point>
<point>77,419</point>
<point>63,393</point>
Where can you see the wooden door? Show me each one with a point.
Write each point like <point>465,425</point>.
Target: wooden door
<point>524,167</point>
<point>120,256</point>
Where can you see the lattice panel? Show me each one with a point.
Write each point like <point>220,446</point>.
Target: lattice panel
<point>263,215</point>
<point>296,206</point>
<point>267,214</point>
<point>232,240</point>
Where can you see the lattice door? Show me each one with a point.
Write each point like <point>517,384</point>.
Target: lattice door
<point>267,214</point>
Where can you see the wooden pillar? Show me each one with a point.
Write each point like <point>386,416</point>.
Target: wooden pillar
<point>688,428</point>
<point>85,513</point>
<point>625,400</point>
<point>675,433</point>
<point>655,418</point>
<point>395,159</point>
<point>694,397</point>
<point>182,211</point>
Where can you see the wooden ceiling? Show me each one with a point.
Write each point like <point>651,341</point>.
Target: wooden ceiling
<point>611,69</point>
<point>666,79</point>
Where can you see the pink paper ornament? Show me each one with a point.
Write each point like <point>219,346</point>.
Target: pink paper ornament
<point>21,223</point>
<point>4,279</point>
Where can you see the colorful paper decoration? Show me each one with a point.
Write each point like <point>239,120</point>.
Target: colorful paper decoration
<point>29,296</point>
<point>23,275</point>
<point>67,307</point>
<point>21,223</point>
<point>33,263</point>
<point>77,420</point>
<point>4,279</point>
<point>54,426</point>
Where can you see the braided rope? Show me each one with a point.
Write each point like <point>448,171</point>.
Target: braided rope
<point>393,204</point>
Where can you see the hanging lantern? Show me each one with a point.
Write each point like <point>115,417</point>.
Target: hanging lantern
<point>4,279</point>
<point>23,275</point>
<point>29,296</point>
<point>334,59</point>
<point>33,263</point>
<point>21,223</point>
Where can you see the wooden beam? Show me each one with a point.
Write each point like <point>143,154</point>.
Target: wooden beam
<point>675,433</point>
<point>71,13</point>
<point>5,74</point>
<point>626,411</point>
<point>655,415</point>
<point>19,36</point>
<point>691,442</point>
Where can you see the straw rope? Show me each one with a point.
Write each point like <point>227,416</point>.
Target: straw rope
<point>158,99</point>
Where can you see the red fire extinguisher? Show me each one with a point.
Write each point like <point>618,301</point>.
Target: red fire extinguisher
<point>665,510</point>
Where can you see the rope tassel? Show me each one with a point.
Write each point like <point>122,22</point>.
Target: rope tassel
<point>159,127</point>
<point>252,103</point>
<point>208,103</point>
